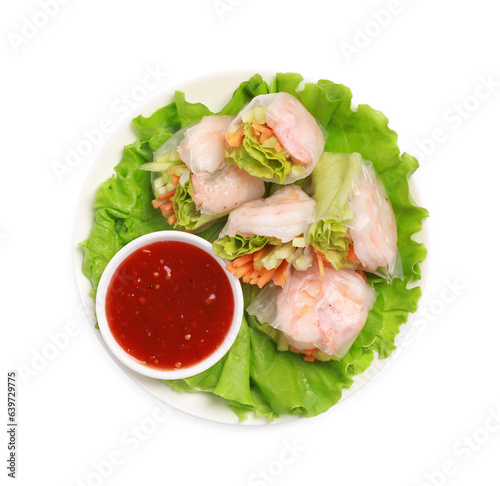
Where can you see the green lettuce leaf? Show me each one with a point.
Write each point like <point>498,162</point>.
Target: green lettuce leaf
<point>244,94</point>
<point>255,377</point>
<point>232,247</point>
<point>259,161</point>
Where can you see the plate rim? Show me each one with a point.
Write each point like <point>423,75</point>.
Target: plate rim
<point>205,405</point>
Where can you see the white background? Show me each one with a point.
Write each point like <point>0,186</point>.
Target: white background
<point>432,416</point>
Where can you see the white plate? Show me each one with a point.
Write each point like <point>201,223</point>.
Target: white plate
<point>214,91</point>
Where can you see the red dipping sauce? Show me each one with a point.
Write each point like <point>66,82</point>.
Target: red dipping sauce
<point>169,305</point>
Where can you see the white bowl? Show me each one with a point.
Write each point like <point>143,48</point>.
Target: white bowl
<point>129,360</point>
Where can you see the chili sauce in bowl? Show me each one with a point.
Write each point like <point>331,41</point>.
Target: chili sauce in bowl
<point>167,307</point>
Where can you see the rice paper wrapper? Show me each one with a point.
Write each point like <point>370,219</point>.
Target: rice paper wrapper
<point>373,229</point>
<point>326,313</point>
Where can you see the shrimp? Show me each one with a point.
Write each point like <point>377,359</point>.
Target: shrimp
<point>225,190</point>
<point>318,313</point>
<point>295,128</point>
<point>284,215</point>
<point>373,228</point>
<point>202,148</point>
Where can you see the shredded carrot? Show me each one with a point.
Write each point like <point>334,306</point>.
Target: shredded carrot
<point>172,219</point>
<point>322,256</point>
<point>278,278</point>
<point>165,212</point>
<point>266,276</point>
<point>251,276</point>
<point>278,147</point>
<point>258,254</point>
<point>167,209</point>
<point>362,274</point>
<point>157,203</point>
<point>258,128</point>
<point>167,195</point>
<point>263,130</point>
<point>254,273</point>
<point>321,261</point>
<point>308,353</point>
<point>244,269</point>
<point>163,199</point>
<point>350,254</point>
<point>240,261</point>
<point>265,136</point>
<point>234,139</point>
<point>230,267</point>
<point>282,274</point>
<point>171,172</point>
<point>320,265</point>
